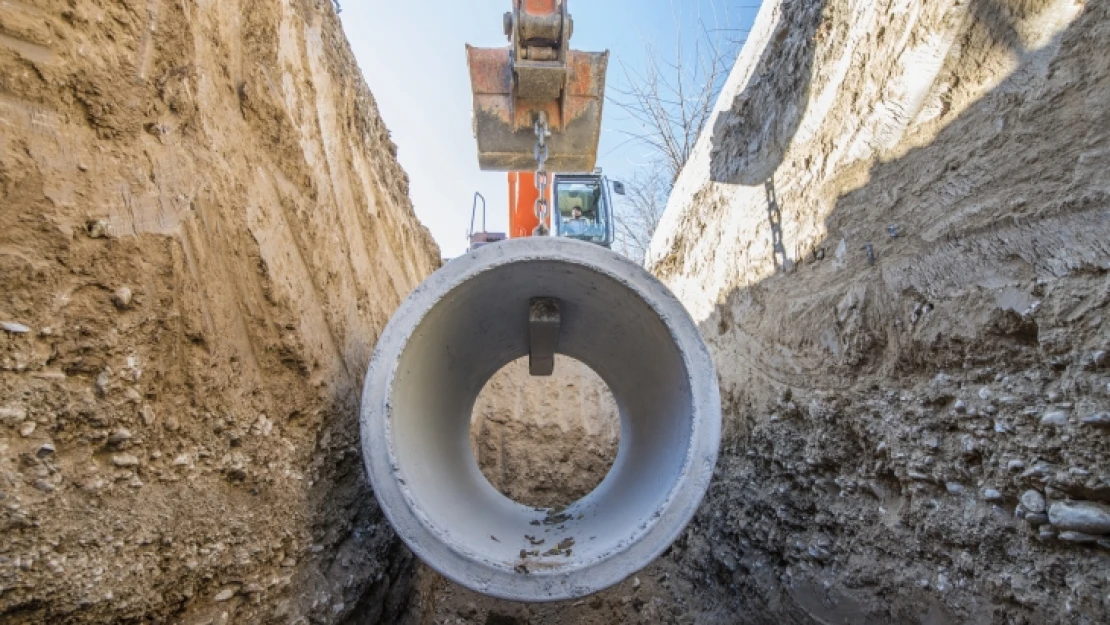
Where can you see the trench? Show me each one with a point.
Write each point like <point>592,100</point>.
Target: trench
<point>891,236</point>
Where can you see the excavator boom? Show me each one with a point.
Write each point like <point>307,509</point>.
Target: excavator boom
<point>537,73</point>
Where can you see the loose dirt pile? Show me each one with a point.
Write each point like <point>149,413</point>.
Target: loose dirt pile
<point>203,230</point>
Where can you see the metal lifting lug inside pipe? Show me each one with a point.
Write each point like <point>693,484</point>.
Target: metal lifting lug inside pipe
<point>472,317</point>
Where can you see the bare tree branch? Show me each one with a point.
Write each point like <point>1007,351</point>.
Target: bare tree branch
<point>669,101</point>
<point>641,211</point>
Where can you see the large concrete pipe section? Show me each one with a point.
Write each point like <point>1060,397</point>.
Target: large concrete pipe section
<point>461,326</point>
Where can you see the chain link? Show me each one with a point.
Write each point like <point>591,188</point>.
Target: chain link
<point>541,208</point>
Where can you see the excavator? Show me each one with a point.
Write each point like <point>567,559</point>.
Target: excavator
<point>538,103</point>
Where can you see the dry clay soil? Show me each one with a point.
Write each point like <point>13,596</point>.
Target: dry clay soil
<point>203,229</point>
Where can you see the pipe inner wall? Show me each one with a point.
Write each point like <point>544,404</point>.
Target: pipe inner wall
<point>466,322</point>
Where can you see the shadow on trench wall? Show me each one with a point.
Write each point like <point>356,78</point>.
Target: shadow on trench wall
<point>770,109</point>
<point>774,218</point>
<point>1010,194</point>
<point>364,542</point>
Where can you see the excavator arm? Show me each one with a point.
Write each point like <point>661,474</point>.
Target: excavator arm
<point>537,74</point>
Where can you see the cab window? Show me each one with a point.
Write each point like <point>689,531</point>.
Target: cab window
<point>588,222</point>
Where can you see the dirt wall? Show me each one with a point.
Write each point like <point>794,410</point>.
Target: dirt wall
<point>203,229</point>
<point>894,237</point>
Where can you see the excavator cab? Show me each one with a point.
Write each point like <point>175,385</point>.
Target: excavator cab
<point>583,208</point>
<point>590,193</point>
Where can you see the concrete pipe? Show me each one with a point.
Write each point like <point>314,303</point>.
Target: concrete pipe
<point>461,326</point>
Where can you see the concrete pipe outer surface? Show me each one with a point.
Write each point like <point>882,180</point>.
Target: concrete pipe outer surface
<point>465,323</point>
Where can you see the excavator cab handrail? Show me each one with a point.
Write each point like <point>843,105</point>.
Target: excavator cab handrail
<point>473,210</point>
<point>474,239</point>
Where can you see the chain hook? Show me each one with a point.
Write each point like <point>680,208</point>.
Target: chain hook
<point>541,179</point>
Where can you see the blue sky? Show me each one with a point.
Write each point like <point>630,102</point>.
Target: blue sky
<point>413,57</point>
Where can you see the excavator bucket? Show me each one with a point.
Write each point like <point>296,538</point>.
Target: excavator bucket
<point>537,73</point>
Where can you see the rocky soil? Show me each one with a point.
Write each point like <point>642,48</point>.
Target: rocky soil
<point>203,229</point>
<point>895,240</point>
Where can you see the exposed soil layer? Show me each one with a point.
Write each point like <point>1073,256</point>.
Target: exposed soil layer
<point>545,441</point>
<point>895,238</point>
<point>203,230</point>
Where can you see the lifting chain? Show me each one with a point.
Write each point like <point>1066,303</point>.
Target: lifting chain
<point>542,133</point>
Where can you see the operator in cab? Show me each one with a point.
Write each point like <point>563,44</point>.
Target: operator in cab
<point>576,225</point>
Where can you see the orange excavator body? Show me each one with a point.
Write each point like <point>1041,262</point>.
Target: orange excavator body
<point>522,204</point>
